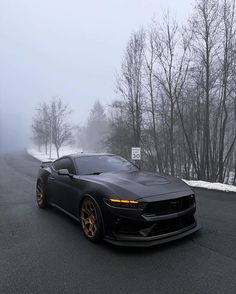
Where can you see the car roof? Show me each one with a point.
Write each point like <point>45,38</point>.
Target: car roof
<point>82,154</point>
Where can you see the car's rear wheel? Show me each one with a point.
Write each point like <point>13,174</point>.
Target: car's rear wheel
<point>41,195</point>
<point>91,219</point>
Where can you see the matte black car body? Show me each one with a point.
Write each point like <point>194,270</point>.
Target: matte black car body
<point>166,204</point>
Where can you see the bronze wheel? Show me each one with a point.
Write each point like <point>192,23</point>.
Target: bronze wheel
<point>40,195</point>
<point>90,219</point>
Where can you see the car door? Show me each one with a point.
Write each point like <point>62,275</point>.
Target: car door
<point>63,189</point>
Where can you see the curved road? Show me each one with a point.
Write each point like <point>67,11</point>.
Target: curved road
<point>45,251</point>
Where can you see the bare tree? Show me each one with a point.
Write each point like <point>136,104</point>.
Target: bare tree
<point>130,82</point>
<point>60,128</point>
<point>40,127</point>
<point>50,124</point>
<point>172,68</point>
<point>151,94</point>
<point>206,47</point>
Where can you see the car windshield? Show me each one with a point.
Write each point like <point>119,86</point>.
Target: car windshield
<point>103,163</point>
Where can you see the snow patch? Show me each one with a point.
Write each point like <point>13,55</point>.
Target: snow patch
<point>212,186</point>
<point>66,150</point>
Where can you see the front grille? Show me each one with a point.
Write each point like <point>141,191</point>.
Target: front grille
<point>169,206</point>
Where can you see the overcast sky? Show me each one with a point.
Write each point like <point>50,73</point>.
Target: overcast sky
<point>66,48</point>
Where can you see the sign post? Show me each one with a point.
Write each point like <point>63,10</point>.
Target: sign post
<point>136,155</point>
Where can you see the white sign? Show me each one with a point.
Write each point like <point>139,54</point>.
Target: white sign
<point>136,153</point>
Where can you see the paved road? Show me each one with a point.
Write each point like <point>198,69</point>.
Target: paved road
<point>45,252</point>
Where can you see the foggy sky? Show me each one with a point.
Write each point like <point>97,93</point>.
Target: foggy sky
<point>66,48</point>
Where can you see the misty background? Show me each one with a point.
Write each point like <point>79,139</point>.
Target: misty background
<point>69,49</point>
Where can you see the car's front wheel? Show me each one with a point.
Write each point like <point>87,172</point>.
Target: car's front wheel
<point>91,219</point>
<point>41,195</point>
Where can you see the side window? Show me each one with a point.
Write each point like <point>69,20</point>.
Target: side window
<point>58,164</point>
<point>68,164</point>
<point>64,163</point>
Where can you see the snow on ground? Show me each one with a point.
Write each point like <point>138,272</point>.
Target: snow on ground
<point>70,150</point>
<point>40,155</point>
<point>213,186</point>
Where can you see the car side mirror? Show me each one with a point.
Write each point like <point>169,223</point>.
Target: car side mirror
<point>63,172</point>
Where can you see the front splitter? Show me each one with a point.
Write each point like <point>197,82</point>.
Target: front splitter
<point>154,240</point>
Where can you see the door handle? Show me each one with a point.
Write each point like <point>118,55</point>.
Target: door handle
<point>52,178</point>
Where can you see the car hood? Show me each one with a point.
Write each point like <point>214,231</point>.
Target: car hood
<point>136,185</point>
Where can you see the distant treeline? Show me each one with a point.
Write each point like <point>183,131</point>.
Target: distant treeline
<point>176,98</point>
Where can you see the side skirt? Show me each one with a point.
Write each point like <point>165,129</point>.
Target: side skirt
<point>64,211</point>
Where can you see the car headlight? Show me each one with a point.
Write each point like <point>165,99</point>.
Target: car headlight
<point>122,203</point>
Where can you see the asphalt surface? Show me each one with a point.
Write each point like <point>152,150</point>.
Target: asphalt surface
<point>44,251</point>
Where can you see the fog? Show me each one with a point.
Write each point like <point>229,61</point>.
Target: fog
<point>66,48</point>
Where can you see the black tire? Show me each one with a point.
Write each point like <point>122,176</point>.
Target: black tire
<point>41,196</point>
<point>91,220</point>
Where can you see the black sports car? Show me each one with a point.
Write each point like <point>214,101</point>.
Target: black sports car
<point>116,201</point>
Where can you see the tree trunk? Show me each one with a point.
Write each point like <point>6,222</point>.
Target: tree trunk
<point>57,149</point>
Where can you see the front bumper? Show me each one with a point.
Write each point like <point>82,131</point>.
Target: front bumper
<point>132,241</point>
<point>155,223</point>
